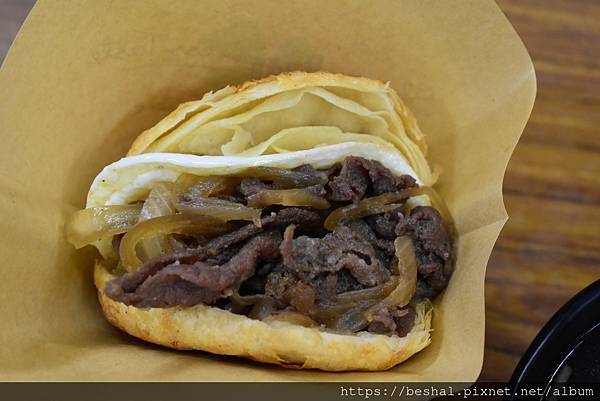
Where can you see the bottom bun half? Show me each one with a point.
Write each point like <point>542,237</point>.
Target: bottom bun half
<point>221,332</point>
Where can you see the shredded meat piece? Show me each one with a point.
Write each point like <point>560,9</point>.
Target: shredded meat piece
<point>384,248</point>
<point>289,290</point>
<point>308,169</point>
<point>385,224</point>
<point>308,257</point>
<point>318,190</point>
<point>301,297</point>
<point>358,175</point>
<point>256,284</point>
<point>405,322</point>
<point>396,320</point>
<point>343,281</point>
<point>383,322</point>
<point>293,215</point>
<point>432,249</point>
<point>224,256</point>
<point>252,185</point>
<point>180,284</point>
<point>278,283</point>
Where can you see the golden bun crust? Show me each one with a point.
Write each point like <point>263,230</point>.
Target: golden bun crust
<point>220,332</point>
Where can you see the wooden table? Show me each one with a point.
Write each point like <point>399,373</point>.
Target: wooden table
<point>550,247</point>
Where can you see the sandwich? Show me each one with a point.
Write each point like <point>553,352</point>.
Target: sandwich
<point>290,220</point>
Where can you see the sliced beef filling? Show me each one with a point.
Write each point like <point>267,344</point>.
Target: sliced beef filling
<point>384,248</point>
<point>288,290</point>
<point>215,248</point>
<point>359,177</point>
<point>385,224</point>
<point>432,249</point>
<point>184,284</point>
<point>291,262</point>
<point>307,258</point>
<point>336,263</point>
<point>395,320</point>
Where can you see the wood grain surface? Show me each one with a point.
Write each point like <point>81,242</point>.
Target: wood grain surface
<point>550,247</point>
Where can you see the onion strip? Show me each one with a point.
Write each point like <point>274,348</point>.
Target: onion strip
<point>384,203</point>
<point>219,209</point>
<point>246,300</point>
<point>158,203</point>
<point>294,318</point>
<point>366,207</point>
<point>193,185</point>
<point>407,266</point>
<point>89,225</point>
<point>176,224</point>
<point>287,197</point>
<point>286,178</point>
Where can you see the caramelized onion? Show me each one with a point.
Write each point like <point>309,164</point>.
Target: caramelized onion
<point>286,178</point>
<point>294,318</point>
<point>366,207</point>
<point>158,203</point>
<point>344,317</point>
<point>89,225</point>
<point>407,266</point>
<point>330,311</point>
<point>194,185</point>
<point>219,209</point>
<point>287,197</point>
<point>178,224</point>
<point>377,292</point>
<point>263,308</point>
<point>246,300</point>
<point>350,322</point>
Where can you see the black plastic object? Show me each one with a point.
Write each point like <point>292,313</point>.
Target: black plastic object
<point>567,349</point>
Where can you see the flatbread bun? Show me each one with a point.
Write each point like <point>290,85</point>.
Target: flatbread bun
<point>280,121</point>
<point>287,112</point>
